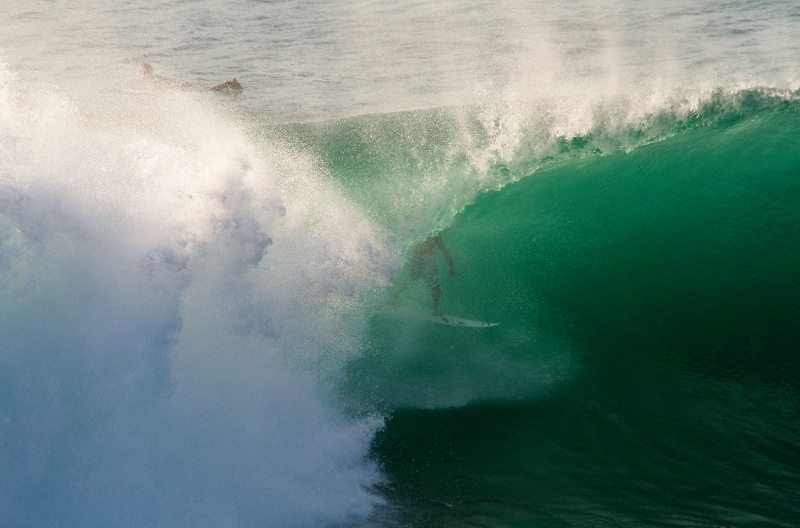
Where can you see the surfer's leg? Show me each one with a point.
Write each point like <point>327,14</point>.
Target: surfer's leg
<point>430,272</point>
<point>436,291</point>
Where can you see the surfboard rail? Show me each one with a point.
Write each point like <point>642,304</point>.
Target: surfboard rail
<point>449,320</point>
<point>459,321</point>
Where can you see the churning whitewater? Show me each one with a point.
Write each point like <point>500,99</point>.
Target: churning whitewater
<point>150,354</point>
<point>194,283</point>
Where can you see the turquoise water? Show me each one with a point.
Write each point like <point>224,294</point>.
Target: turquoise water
<point>194,327</point>
<point>645,373</point>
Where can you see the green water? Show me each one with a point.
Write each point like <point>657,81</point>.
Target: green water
<point>645,372</point>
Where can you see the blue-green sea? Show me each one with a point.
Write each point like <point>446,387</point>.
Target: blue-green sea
<point>203,321</point>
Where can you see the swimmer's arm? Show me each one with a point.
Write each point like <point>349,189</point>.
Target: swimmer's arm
<point>446,254</point>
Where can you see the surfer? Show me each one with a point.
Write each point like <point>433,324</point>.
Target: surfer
<point>423,265</point>
<point>231,87</point>
<point>228,87</point>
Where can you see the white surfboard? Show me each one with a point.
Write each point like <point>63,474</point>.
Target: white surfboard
<point>456,321</point>
<point>440,319</point>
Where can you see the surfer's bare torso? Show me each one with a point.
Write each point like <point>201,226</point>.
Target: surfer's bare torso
<point>424,250</point>
<point>422,265</point>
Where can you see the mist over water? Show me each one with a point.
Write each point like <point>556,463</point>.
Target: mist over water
<point>192,285</point>
<point>155,365</point>
<point>301,60</point>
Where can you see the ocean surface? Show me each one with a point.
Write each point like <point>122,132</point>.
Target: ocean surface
<point>196,317</point>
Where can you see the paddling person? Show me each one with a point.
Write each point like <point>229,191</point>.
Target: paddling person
<point>232,87</point>
<point>228,87</point>
<point>423,265</point>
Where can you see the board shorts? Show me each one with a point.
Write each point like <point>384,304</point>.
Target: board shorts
<point>426,269</point>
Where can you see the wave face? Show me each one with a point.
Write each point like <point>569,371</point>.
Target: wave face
<point>645,371</point>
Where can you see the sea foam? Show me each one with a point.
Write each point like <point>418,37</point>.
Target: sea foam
<point>161,308</point>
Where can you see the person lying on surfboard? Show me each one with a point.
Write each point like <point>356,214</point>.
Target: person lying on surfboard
<point>231,87</point>
<point>423,265</point>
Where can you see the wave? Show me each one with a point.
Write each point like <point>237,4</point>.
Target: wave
<point>188,298</point>
<point>414,172</point>
<point>688,238</point>
<point>645,371</point>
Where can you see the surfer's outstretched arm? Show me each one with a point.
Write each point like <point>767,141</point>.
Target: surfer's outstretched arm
<point>232,87</point>
<point>162,82</point>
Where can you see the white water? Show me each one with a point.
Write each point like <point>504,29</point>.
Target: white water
<point>170,322</point>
